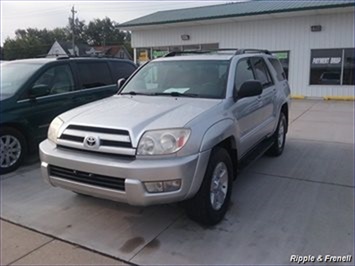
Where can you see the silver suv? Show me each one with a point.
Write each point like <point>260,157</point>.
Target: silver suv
<point>178,130</point>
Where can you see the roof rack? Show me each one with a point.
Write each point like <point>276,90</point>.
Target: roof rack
<point>175,53</point>
<point>245,51</point>
<point>236,51</point>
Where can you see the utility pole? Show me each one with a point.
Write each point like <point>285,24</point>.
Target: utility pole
<point>73,29</point>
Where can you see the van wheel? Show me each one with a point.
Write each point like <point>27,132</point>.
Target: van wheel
<point>211,202</point>
<point>279,138</point>
<point>12,149</point>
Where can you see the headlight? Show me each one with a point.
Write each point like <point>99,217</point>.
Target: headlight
<point>53,130</point>
<point>158,142</point>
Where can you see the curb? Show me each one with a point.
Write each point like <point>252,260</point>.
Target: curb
<point>325,98</point>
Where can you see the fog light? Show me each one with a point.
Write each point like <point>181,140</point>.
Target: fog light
<point>172,185</point>
<point>163,186</point>
<point>154,187</point>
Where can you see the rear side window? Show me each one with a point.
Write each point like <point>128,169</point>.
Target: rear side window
<point>121,70</point>
<point>278,68</point>
<point>261,72</point>
<point>94,74</point>
<point>244,72</point>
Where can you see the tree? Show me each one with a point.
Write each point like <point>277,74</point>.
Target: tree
<point>104,32</point>
<point>79,30</point>
<point>32,42</point>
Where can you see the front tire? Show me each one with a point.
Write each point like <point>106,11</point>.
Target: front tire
<point>210,204</point>
<point>279,137</point>
<point>12,149</point>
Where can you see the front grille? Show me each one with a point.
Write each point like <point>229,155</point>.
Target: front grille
<point>88,178</point>
<point>108,140</point>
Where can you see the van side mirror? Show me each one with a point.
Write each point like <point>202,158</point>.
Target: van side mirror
<point>120,83</point>
<point>249,88</point>
<point>39,90</point>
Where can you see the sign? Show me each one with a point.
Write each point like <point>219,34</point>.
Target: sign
<point>326,60</point>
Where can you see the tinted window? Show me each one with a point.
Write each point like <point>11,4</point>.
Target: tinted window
<point>326,66</point>
<point>121,70</point>
<point>244,72</point>
<point>278,68</point>
<point>94,74</point>
<point>261,72</point>
<point>349,63</point>
<point>59,79</point>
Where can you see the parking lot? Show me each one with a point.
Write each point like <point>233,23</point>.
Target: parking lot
<point>301,203</point>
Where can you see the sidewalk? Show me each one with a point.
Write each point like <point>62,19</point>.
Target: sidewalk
<point>20,246</point>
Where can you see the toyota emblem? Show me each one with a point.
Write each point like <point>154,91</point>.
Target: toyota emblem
<point>91,141</point>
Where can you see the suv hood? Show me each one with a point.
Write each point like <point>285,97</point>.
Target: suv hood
<point>139,113</point>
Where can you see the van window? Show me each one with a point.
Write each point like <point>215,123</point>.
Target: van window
<point>59,79</point>
<point>94,74</point>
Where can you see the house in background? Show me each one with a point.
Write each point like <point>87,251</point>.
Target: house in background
<point>117,51</point>
<point>66,49</point>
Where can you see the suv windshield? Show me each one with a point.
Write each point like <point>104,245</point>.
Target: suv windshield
<point>191,78</point>
<point>14,75</point>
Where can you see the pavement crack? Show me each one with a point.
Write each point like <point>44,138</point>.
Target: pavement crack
<point>166,228</point>
<point>305,180</point>
<point>309,108</point>
<point>28,253</point>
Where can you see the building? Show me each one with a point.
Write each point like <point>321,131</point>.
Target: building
<point>66,49</point>
<point>313,39</point>
<point>118,51</point>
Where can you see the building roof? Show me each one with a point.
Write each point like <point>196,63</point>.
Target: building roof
<point>239,9</point>
<point>69,45</point>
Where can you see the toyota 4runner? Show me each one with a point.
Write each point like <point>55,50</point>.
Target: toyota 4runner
<point>178,130</point>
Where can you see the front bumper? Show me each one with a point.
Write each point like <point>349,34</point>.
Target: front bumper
<point>189,169</point>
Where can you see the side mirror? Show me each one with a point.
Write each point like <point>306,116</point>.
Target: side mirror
<point>250,88</point>
<point>120,83</point>
<point>39,90</point>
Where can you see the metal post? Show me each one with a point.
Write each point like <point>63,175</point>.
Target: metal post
<point>73,29</point>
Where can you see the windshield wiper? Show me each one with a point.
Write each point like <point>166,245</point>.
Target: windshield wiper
<point>176,94</point>
<point>135,93</point>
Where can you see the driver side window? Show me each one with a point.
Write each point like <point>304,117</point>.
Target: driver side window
<point>58,79</point>
<point>243,73</point>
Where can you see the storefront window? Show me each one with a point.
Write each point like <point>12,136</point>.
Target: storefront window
<point>159,52</point>
<point>326,67</point>
<point>283,57</point>
<point>143,55</point>
<point>349,62</point>
<point>332,67</point>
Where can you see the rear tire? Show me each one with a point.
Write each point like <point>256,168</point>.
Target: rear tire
<point>210,204</point>
<point>13,149</point>
<point>279,137</point>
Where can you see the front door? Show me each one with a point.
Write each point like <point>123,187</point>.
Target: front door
<point>40,111</point>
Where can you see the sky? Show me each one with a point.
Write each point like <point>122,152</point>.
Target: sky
<point>51,14</point>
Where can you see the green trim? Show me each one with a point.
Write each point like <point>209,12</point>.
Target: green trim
<point>124,25</point>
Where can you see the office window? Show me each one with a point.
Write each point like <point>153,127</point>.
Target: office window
<point>326,66</point>
<point>332,67</point>
<point>349,62</point>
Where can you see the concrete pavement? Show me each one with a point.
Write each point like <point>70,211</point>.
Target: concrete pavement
<point>301,203</point>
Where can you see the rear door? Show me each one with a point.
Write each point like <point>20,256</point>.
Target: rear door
<point>95,81</point>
